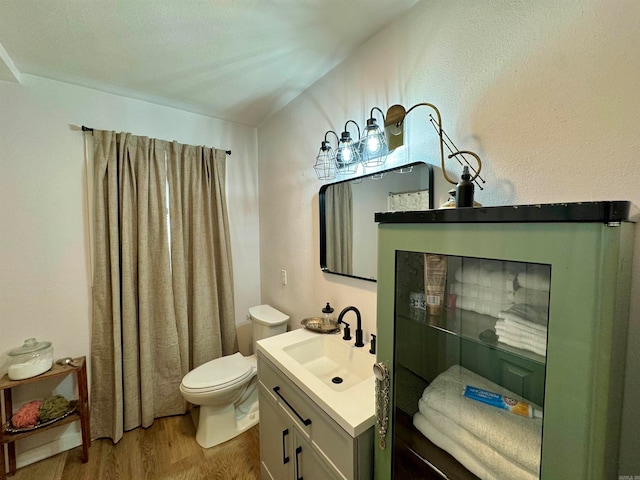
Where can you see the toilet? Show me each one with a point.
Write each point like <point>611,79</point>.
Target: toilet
<point>226,388</point>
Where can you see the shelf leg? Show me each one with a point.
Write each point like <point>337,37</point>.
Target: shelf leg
<point>11,447</point>
<point>3,471</point>
<point>84,411</point>
<point>3,474</point>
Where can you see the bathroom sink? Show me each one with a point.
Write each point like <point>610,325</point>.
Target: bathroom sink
<point>312,361</point>
<point>335,362</point>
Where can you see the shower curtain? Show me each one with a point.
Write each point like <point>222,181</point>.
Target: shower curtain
<point>163,285</point>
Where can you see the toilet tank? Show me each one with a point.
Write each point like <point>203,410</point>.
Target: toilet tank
<point>267,322</point>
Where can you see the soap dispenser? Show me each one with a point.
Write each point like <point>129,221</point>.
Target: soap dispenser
<point>464,189</point>
<point>327,316</point>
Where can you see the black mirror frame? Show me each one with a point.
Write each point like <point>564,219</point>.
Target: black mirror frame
<point>323,230</point>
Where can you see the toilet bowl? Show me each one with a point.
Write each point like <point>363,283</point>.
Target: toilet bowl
<point>226,388</point>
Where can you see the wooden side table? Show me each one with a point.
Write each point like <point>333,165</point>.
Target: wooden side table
<point>82,413</point>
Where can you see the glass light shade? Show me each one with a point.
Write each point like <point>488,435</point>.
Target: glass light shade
<point>347,156</point>
<point>325,165</point>
<point>374,145</point>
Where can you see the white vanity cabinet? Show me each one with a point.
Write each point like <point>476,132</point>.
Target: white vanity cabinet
<point>299,440</point>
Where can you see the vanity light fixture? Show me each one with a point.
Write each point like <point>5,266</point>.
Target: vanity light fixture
<point>373,142</point>
<point>372,147</point>
<point>325,165</point>
<point>347,155</point>
<point>394,130</point>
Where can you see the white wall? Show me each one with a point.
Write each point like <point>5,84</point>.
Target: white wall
<point>44,268</point>
<point>547,92</point>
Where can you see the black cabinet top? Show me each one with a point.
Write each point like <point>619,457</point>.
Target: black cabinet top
<point>605,212</point>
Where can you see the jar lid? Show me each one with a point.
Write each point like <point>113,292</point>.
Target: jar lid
<point>30,345</point>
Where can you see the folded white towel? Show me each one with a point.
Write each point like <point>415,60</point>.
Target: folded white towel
<point>517,337</point>
<point>478,457</point>
<point>517,341</point>
<point>529,296</point>
<point>481,306</point>
<point>488,273</point>
<point>534,345</point>
<point>471,290</point>
<point>523,344</point>
<point>526,315</point>
<point>521,332</point>
<point>517,438</point>
<point>536,277</point>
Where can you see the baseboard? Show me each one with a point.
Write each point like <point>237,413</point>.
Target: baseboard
<point>61,444</point>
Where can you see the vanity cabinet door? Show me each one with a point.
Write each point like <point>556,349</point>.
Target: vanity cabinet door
<point>308,464</point>
<point>285,409</point>
<point>276,440</point>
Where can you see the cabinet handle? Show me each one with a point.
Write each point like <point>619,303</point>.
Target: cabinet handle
<point>306,422</point>
<point>298,451</point>
<point>285,459</point>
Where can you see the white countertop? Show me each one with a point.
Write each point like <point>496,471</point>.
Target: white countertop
<point>353,409</point>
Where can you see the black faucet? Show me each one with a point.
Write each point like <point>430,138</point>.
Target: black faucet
<point>372,350</point>
<point>359,342</point>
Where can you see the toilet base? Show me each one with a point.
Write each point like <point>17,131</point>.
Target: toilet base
<point>215,426</point>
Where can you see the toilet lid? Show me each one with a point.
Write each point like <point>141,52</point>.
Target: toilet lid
<point>218,373</point>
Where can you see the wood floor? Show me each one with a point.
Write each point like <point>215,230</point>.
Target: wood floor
<point>165,451</point>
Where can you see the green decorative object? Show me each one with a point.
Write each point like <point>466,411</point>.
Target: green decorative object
<point>53,407</point>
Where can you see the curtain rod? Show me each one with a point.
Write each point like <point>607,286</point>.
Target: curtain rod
<point>89,129</point>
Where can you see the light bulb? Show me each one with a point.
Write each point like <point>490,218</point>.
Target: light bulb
<point>373,144</point>
<point>374,147</point>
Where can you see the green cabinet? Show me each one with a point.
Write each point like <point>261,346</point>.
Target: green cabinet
<point>567,358</point>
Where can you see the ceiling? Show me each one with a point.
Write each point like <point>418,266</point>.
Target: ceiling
<point>237,60</point>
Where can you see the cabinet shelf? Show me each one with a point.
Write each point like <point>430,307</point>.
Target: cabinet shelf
<point>8,437</point>
<point>472,326</point>
<point>79,369</point>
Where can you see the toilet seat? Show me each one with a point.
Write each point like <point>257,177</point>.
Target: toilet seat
<point>218,374</point>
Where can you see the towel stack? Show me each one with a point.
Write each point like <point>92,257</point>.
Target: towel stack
<point>516,294</point>
<point>533,286</point>
<point>491,443</point>
<point>484,286</point>
<point>523,326</point>
<point>536,277</point>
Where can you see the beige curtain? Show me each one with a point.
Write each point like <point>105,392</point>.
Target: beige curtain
<point>339,228</point>
<point>153,299</point>
<point>201,252</point>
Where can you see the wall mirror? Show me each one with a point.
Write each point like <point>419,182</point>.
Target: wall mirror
<point>348,232</point>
